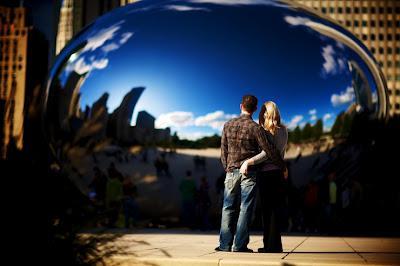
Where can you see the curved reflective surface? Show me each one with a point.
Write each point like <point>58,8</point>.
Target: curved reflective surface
<point>143,92</point>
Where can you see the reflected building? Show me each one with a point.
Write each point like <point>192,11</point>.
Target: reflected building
<point>95,124</point>
<point>145,120</point>
<point>99,114</point>
<point>377,24</point>
<point>120,119</point>
<point>69,98</point>
<point>22,51</point>
<point>362,91</point>
<point>145,131</point>
<point>76,14</point>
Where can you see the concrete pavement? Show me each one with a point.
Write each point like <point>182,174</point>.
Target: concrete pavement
<point>166,247</point>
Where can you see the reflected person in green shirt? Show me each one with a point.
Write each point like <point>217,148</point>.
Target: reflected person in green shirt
<point>188,191</point>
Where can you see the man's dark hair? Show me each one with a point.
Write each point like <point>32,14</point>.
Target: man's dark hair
<point>249,103</point>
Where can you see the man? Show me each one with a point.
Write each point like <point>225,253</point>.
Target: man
<point>242,138</point>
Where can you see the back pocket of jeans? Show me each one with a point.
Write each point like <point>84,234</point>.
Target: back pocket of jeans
<point>249,180</point>
<point>229,181</point>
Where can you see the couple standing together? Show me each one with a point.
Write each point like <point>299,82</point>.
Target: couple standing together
<point>252,154</point>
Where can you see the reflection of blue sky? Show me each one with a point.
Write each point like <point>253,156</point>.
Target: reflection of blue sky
<point>197,62</point>
<point>94,54</point>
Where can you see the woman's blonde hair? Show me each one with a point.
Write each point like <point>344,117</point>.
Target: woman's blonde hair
<point>270,117</point>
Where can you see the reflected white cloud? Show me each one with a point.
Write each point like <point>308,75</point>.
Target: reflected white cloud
<point>185,8</point>
<point>176,119</point>
<point>340,45</point>
<point>374,97</point>
<point>236,2</point>
<point>99,38</point>
<point>345,97</point>
<point>81,66</point>
<point>193,135</point>
<point>312,112</point>
<point>100,64</point>
<point>179,119</point>
<point>107,40</point>
<point>294,122</point>
<point>125,37</point>
<point>110,47</point>
<point>327,128</point>
<point>115,45</point>
<point>332,64</point>
<point>342,63</point>
<point>327,117</point>
<point>296,21</point>
<point>214,120</point>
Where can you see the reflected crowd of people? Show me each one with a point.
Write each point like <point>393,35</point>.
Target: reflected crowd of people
<point>162,166</point>
<point>326,205</point>
<point>342,191</point>
<point>334,199</point>
<point>345,191</point>
<point>196,202</point>
<point>112,193</point>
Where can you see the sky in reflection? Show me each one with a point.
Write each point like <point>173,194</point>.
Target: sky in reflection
<point>197,59</point>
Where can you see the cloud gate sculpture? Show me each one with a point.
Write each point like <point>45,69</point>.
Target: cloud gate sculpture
<point>144,91</point>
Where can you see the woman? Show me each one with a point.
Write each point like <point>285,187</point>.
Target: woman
<point>270,177</point>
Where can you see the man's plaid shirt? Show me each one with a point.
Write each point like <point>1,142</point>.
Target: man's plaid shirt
<point>243,138</point>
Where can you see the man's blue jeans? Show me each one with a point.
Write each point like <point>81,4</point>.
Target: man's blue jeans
<point>238,188</point>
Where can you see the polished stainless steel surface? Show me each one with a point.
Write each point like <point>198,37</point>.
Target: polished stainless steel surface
<point>158,76</point>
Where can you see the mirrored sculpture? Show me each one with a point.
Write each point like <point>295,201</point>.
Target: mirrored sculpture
<point>143,92</point>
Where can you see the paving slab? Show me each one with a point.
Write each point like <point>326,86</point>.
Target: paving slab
<point>382,258</point>
<point>324,244</point>
<point>338,258</point>
<point>374,244</point>
<point>179,247</point>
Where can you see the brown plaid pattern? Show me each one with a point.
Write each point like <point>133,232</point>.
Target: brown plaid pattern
<point>243,138</point>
